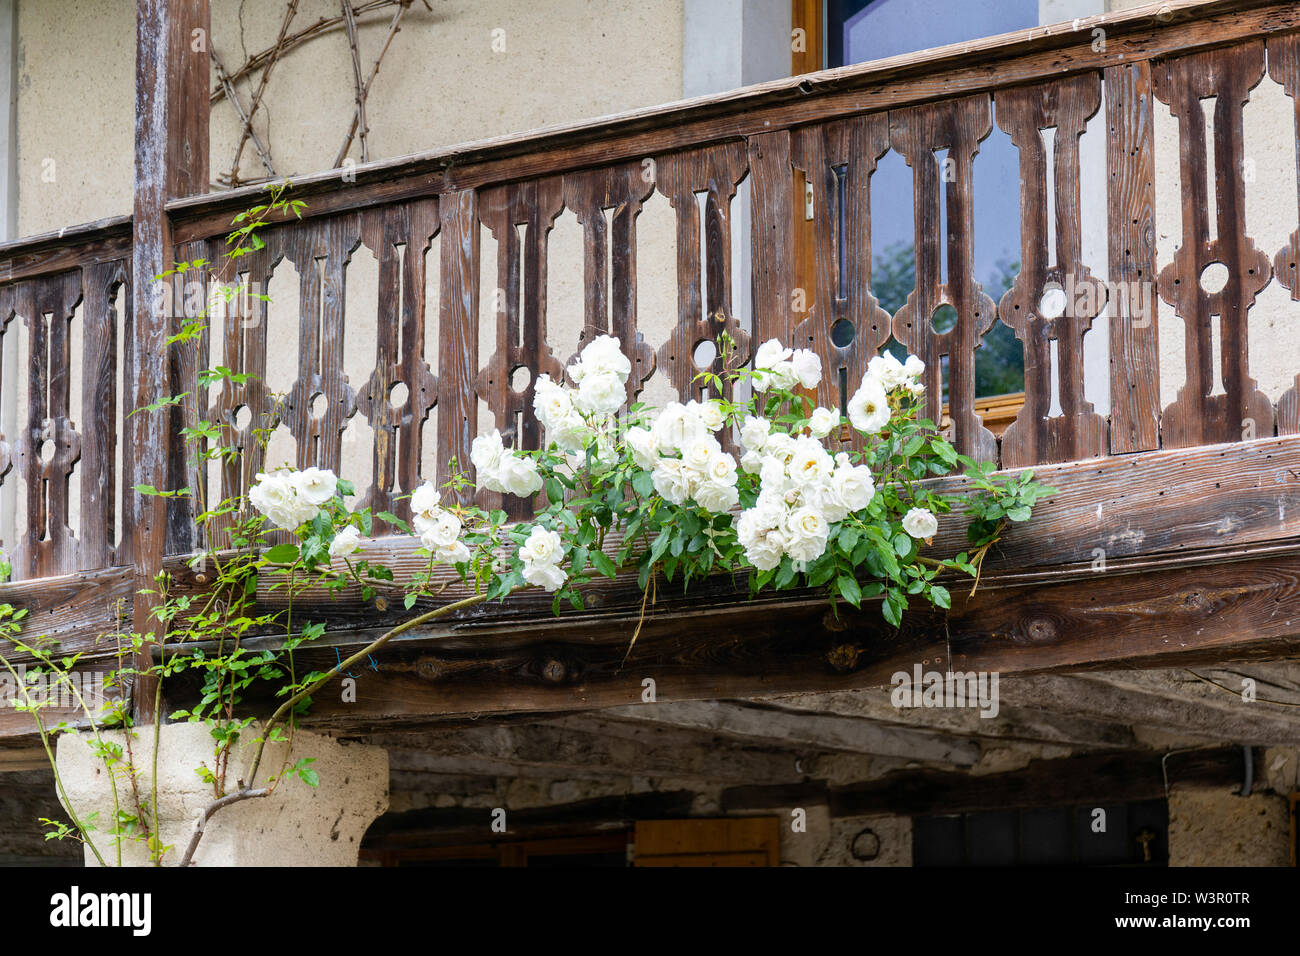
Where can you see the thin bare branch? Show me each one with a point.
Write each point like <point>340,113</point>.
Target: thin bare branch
<point>276,52</point>
<point>351,21</point>
<point>358,115</point>
<point>233,95</point>
<point>201,823</point>
<point>321,26</point>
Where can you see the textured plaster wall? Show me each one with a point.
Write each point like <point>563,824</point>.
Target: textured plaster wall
<point>1220,828</point>
<point>297,825</point>
<point>471,69</point>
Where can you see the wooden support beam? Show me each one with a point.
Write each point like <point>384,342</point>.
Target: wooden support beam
<point>539,750</point>
<point>1168,701</point>
<point>740,649</point>
<point>1074,781</point>
<point>171,161</point>
<point>1012,724</point>
<point>813,731</point>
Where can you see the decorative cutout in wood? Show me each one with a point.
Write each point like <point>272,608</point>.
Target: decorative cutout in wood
<point>957,126</point>
<point>609,311</point>
<point>702,315</point>
<point>49,446</point>
<point>321,401</point>
<point>520,311</point>
<point>1198,417</point>
<point>399,236</point>
<point>1284,68</point>
<point>845,325</point>
<point>1078,432</point>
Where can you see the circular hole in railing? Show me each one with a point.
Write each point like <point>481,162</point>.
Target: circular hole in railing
<point>47,450</point>
<point>944,318</point>
<point>520,376</point>
<point>1214,277</point>
<point>1052,303</point>
<point>398,394</point>
<point>242,417</point>
<point>843,333</point>
<point>704,354</point>
<point>318,405</point>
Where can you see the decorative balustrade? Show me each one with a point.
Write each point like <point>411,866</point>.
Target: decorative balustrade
<point>718,164</point>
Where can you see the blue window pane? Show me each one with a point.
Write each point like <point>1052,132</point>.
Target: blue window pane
<point>861,31</point>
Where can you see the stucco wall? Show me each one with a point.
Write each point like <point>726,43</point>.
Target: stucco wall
<point>1220,828</point>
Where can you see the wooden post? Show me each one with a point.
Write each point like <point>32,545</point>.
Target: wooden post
<point>171,160</point>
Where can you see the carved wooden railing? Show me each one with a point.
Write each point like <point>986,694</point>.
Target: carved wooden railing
<point>704,158</point>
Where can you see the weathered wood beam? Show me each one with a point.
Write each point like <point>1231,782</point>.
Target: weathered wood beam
<point>1073,781</point>
<point>1012,724</point>
<point>741,650</point>
<point>791,730</point>
<point>549,751</point>
<point>1112,515</point>
<point>1169,701</point>
<point>171,161</point>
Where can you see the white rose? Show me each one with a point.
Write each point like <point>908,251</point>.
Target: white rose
<point>887,370</point>
<point>752,462</point>
<point>716,496</point>
<point>711,415</point>
<point>914,367</point>
<point>920,523</point>
<point>645,452</point>
<point>760,533</point>
<point>676,427</point>
<point>722,469</point>
<point>869,407</point>
<point>811,463</point>
<point>486,452</point>
<point>443,532</point>
<point>808,532</point>
<point>315,485</point>
<point>425,499</point>
<point>552,403</point>
<point>456,554</point>
<point>822,422</point>
<point>854,486</point>
<point>754,432</point>
<point>771,366</point>
<point>347,541</point>
<point>670,482</point>
<point>780,447</point>
<point>276,497</point>
<point>518,476</point>
<point>600,395</point>
<point>542,547</point>
<point>765,553</point>
<point>546,576</point>
<point>602,356</point>
<point>807,367</point>
<point>697,455</point>
<point>784,376</point>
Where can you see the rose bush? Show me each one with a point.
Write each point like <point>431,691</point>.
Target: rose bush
<point>789,492</point>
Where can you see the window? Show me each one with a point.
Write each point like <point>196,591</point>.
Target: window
<point>857,31</point>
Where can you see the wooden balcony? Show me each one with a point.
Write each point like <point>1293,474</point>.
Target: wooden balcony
<point>1171,540</point>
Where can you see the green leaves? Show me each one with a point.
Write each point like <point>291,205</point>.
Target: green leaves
<point>282,554</point>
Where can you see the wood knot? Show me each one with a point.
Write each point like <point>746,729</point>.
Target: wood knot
<point>1039,630</point>
<point>554,671</point>
<point>844,657</point>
